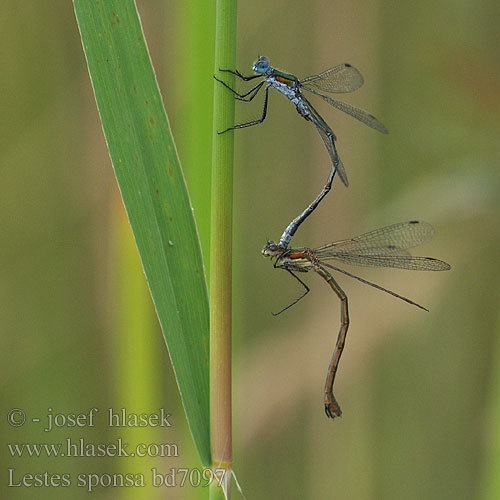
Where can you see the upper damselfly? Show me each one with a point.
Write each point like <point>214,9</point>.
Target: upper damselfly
<point>342,78</point>
<point>384,247</point>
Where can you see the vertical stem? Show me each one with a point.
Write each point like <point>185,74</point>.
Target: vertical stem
<point>221,249</point>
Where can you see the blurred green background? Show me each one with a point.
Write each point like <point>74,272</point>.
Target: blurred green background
<point>420,392</point>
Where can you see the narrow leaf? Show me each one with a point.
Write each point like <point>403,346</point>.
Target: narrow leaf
<point>154,193</point>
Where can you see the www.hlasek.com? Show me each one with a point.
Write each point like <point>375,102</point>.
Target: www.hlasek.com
<point>175,477</point>
<point>81,448</point>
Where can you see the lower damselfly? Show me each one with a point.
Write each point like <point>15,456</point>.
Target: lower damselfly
<point>384,247</point>
<point>341,78</point>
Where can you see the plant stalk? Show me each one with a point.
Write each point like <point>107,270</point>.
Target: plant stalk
<point>221,251</point>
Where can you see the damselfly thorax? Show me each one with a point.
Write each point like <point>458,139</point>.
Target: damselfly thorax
<point>291,90</point>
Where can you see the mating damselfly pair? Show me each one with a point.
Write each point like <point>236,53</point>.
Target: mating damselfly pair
<point>384,247</point>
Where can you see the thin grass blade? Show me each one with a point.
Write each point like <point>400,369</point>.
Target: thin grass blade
<point>154,193</point>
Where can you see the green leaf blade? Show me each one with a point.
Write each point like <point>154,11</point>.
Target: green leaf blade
<point>154,193</point>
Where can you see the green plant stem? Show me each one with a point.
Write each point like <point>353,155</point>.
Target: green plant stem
<point>221,249</point>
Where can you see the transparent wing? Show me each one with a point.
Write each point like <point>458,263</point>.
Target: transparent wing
<point>402,235</point>
<point>374,285</point>
<point>340,78</point>
<point>385,247</point>
<point>358,113</point>
<point>394,261</point>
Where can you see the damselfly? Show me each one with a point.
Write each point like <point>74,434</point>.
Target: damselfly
<point>342,78</point>
<point>384,247</point>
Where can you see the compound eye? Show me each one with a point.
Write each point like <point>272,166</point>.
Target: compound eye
<point>262,63</point>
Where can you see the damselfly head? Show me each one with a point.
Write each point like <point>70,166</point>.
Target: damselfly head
<point>261,65</point>
<point>271,249</point>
